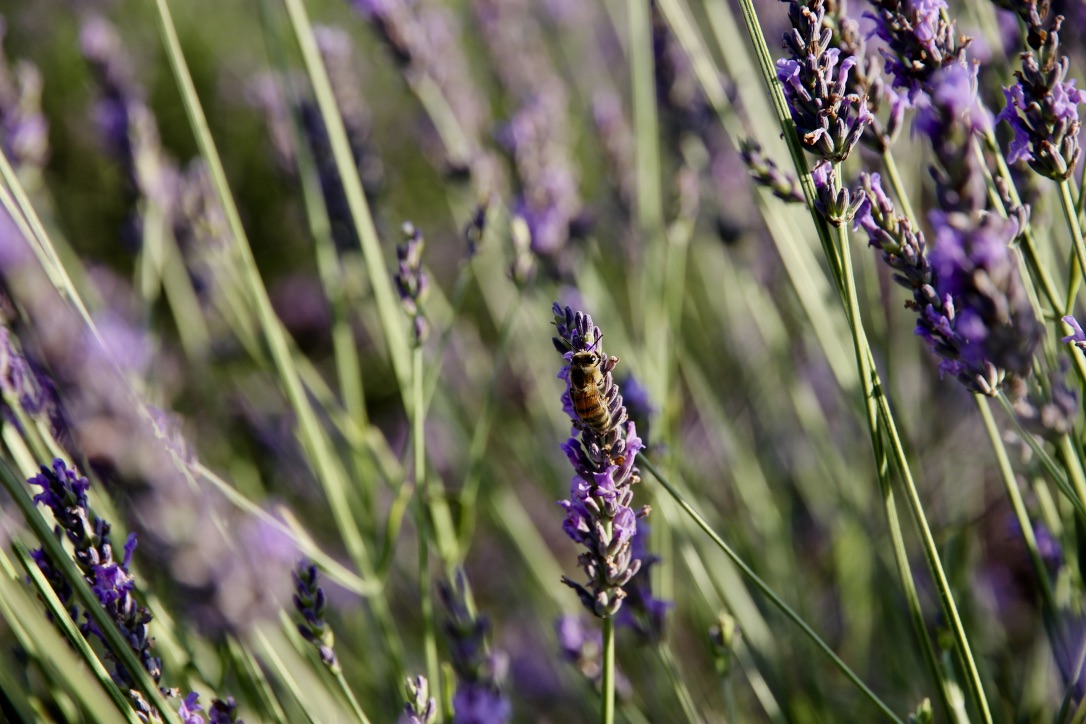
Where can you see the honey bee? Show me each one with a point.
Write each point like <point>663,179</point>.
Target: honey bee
<point>586,390</point>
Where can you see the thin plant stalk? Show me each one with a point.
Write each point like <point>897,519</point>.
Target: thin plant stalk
<point>385,299</point>
<point>607,683</point>
<point>872,392</point>
<point>768,592</point>
<point>349,695</point>
<point>1070,214</point>
<point>418,442</point>
<point>1015,496</point>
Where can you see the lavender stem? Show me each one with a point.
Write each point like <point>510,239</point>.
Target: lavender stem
<point>1073,226</point>
<point>607,688</point>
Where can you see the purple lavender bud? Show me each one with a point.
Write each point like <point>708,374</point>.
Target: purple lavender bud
<point>598,512</point>
<point>479,672</point>
<point>411,282</point>
<point>1042,108</point>
<point>421,708</point>
<point>310,603</point>
<point>975,265</point>
<point>950,116</point>
<point>1078,338</point>
<point>224,712</point>
<point>972,307</point>
<point>549,200</point>
<point>835,204</point>
<point>765,172</point>
<point>1050,412</point>
<point>920,41</point>
<point>866,80</point>
<point>64,492</point>
<point>830,121</point>
<point>189,709</point>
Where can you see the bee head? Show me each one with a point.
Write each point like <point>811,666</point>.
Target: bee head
<point>586,358</point>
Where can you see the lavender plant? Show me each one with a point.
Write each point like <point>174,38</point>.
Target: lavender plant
<point>164,227</point>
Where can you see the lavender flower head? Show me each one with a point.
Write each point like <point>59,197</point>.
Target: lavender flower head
<point>598,512</point>
<point>950,115</point>
<point>920,41</point>
<point>411,282</point>
<point>479,672</point>
<point>310,602</point>
<point>971,305</point>
<point>221,712</point>
<point>64,492</point>
<point>829,119</point>
<point>1042,108</point>
<point>420,708</point>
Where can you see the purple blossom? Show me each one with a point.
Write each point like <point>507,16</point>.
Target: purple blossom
<point>642,612</point>
<point>599,515</point>
<point>310,603</point>
<point>411,282</point>
<point>1078,338</point>
<point>420,707</point>
<point>189,708</point>
<point>920,41</point>
<point>64,492</point>
<point>950,116</point>
<point>971,305</point>
<point>1042,109</point>
<point>479,673</point>
<point>830,120</point>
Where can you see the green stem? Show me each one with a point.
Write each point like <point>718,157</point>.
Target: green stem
<point>1070,214</point>
<point>1010,485</point>
<point>607,687</point>
<point>387,305</point>
<point>871,389</point>
<point>351,698</point>
<point>768,592</point>
<point>890,166</point>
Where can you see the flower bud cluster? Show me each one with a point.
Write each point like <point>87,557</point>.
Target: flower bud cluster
<point>921,40</point>
<point>64,492</point>
<point>411,281</point>
<point>599,515</point>
<point>971,305</point>
<point>310,602</point>
<point>479,672</point>
<point>1042,108</point>
<point>830,120</point>
<point>766,173</point>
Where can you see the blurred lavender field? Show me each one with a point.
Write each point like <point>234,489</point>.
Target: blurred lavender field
<point>309,399</point>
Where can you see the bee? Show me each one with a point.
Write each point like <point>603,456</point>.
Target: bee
<point>586,389</point>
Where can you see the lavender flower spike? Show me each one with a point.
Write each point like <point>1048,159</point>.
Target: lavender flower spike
<point>421,708</point>
<point>411,281</point>
<point>64,492</point>
<point>310,602</point>
<point>920,41</point>
<point>971,305</point>
<point>830,121</point>
<point>1042,108</point>
<point>598,512</point>
<point>479,673</point>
